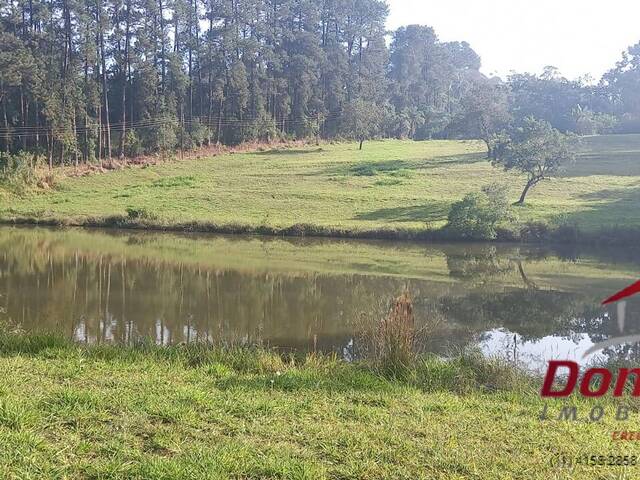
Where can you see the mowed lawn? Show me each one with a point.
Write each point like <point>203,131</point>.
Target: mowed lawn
<point>389,184</point>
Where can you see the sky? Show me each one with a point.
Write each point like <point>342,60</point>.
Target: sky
<point>577,36</point>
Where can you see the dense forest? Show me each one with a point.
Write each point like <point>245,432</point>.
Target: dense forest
<point>92,80</point>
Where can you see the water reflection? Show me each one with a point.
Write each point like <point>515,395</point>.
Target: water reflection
<point>529,304</point>
<point>538,351</point>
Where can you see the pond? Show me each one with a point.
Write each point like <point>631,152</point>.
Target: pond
<point>521,302</point>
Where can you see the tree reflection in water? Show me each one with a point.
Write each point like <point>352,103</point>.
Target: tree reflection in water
<point>120,287</point>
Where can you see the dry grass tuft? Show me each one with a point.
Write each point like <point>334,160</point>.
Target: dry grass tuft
<point>390,342</point>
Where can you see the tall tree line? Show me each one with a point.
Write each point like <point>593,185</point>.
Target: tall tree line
<point>92,80</point>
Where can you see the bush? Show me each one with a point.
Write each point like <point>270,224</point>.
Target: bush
<point>139,213</point>
<point>162,138</point>
<point>478,214</point>
<point>534,232</point>
<point>199,133</point>
<point>132,144</point>
<point>17,171</point>
<point>188,138</point>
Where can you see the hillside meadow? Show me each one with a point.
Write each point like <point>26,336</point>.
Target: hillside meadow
<point>390,186</point>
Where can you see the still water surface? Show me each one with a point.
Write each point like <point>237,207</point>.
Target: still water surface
<point>527,303</point>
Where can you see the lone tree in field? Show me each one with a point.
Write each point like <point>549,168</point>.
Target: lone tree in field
<point>536,149</point>
<point>485,113</point>
<point>362,120</point>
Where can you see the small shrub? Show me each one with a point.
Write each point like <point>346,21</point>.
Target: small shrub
<point>17,171</point>
<point>139,213</point>
<point>478,214</point>
<point>132,144</point>
<point>505,234</point>
<point>199,133</point>
<point>534,232</point>
<point>162,138</point>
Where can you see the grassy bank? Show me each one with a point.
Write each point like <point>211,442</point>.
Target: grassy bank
<point>69,411</point>
<point>391,189</point>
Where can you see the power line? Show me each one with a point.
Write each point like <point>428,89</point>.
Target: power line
<point>210,122</point>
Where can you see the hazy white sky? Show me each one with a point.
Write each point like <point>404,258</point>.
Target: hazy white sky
<point>577,36</point>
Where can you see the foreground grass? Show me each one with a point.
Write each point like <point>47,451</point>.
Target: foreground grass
<point>388,189</point>
<point>190,412</point>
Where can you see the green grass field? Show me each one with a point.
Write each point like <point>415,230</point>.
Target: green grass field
<point>390,185</point>
<point>69,412</point>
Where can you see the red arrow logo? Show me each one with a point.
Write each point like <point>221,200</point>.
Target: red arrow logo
<point>622,294</point>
